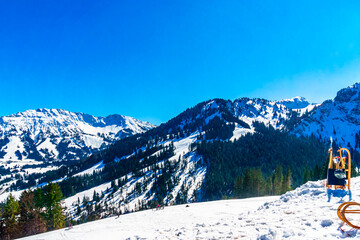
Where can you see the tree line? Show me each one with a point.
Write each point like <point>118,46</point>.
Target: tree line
<point>35,212</point>
<point>261,153</point>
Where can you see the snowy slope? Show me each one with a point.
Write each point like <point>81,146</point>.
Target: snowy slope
<point>245,111</point>
<point>338,118</point>
<point>187,174</point>
<point>298,104</point>
<point>303,213</point>
<point>37,141</point>
<point>38,134</point>
<point>180,132</point>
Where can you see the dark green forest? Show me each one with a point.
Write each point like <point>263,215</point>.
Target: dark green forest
<point>261,153</point>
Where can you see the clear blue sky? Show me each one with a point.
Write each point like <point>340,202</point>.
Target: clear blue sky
<point>153,59</point>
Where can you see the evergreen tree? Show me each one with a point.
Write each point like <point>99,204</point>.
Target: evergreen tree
<point>39,198</point>
<point>286,184</point>
<point>278,180</point>
<point>269,186</point>
<point>247,183</point>
<point>317,173</point>
<point>238,186</point>
<point>30,221</point>
<point>258,182</point>
<point>54,212</point>
<point>11,210</point>
<point>307,175</point>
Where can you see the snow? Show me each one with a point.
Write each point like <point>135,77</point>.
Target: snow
<point>44,129</point>
<point>14,145</point>
<point>49,126</point>
<point>47,145</point>
<point>204,220</point>
<point>88,194</point>
<point>93,141</point>
<point>91,170</point>
<point>40,169</point>
<point>303,213</point>
<point>337,118</point>
<point>190,176</point>
<point>5,195</point>
<point>239,132</point>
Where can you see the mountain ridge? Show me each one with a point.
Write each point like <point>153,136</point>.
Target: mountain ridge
<point>338,119</point>
<point>168,165</point>
<point>41,140</point>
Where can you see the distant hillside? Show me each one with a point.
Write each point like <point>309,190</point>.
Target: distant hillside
<point>37,141</point>
<point>338,119</point>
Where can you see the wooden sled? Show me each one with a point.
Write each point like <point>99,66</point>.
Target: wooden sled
<point>339,174</point>
<point>349,213</point>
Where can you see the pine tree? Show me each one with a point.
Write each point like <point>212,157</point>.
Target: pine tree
<point>258,182</point>
<point>278,179</point>
<point>247,183</point>
<point>54,212</point>
<point>317,173</point>
<point>286,184</point>
<point>269,186</point>
<point>238,186</point>
<point>30,221</point>
<point>307,175</point>
<point>39,198</point>
<point>10,213</point>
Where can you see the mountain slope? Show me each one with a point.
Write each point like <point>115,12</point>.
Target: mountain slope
<point>338,119</point>
<point>37,141</point>
<point>303,213</point>
<point>162,165</point>
<point>38,134</point>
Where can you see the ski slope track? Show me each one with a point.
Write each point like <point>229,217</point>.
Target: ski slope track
<point>303,213</point>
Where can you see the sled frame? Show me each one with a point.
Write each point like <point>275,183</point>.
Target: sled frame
<point>342,213</point>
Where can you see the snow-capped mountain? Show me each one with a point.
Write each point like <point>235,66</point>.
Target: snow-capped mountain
<point>241,112</point>
<point>298,104</point>
<point>37,141</point>
<point>164,155</point>
<point>167,146</point>
<point>295,102</point>
<point>55,134</point>
<point>338,119</point>
<point>172,163</point>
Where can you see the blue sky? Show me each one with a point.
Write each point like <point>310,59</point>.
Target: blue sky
<point>153,59</point>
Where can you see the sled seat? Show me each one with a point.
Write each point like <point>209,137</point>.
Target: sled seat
<point>336,177</point>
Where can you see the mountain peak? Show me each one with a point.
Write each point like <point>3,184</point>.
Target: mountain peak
<point>294,103</point>
<point>57,134</point>
<point>348,94</point>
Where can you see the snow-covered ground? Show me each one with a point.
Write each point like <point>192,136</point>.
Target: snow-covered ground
<point>205,220</point>
<point>303,213</point>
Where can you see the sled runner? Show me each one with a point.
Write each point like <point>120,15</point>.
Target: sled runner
<point>338,175</point>
<point>348,212</point>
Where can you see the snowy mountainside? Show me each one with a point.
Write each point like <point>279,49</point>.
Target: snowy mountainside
<point>37,141</point>
<point>295,102</point>
<point>242,113</point>
<point>338,119</point>
<point>38,134</point>
<point>298,104</point>
<point>303,213</point>
<point>160,164</point>
<point>182,171</point>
